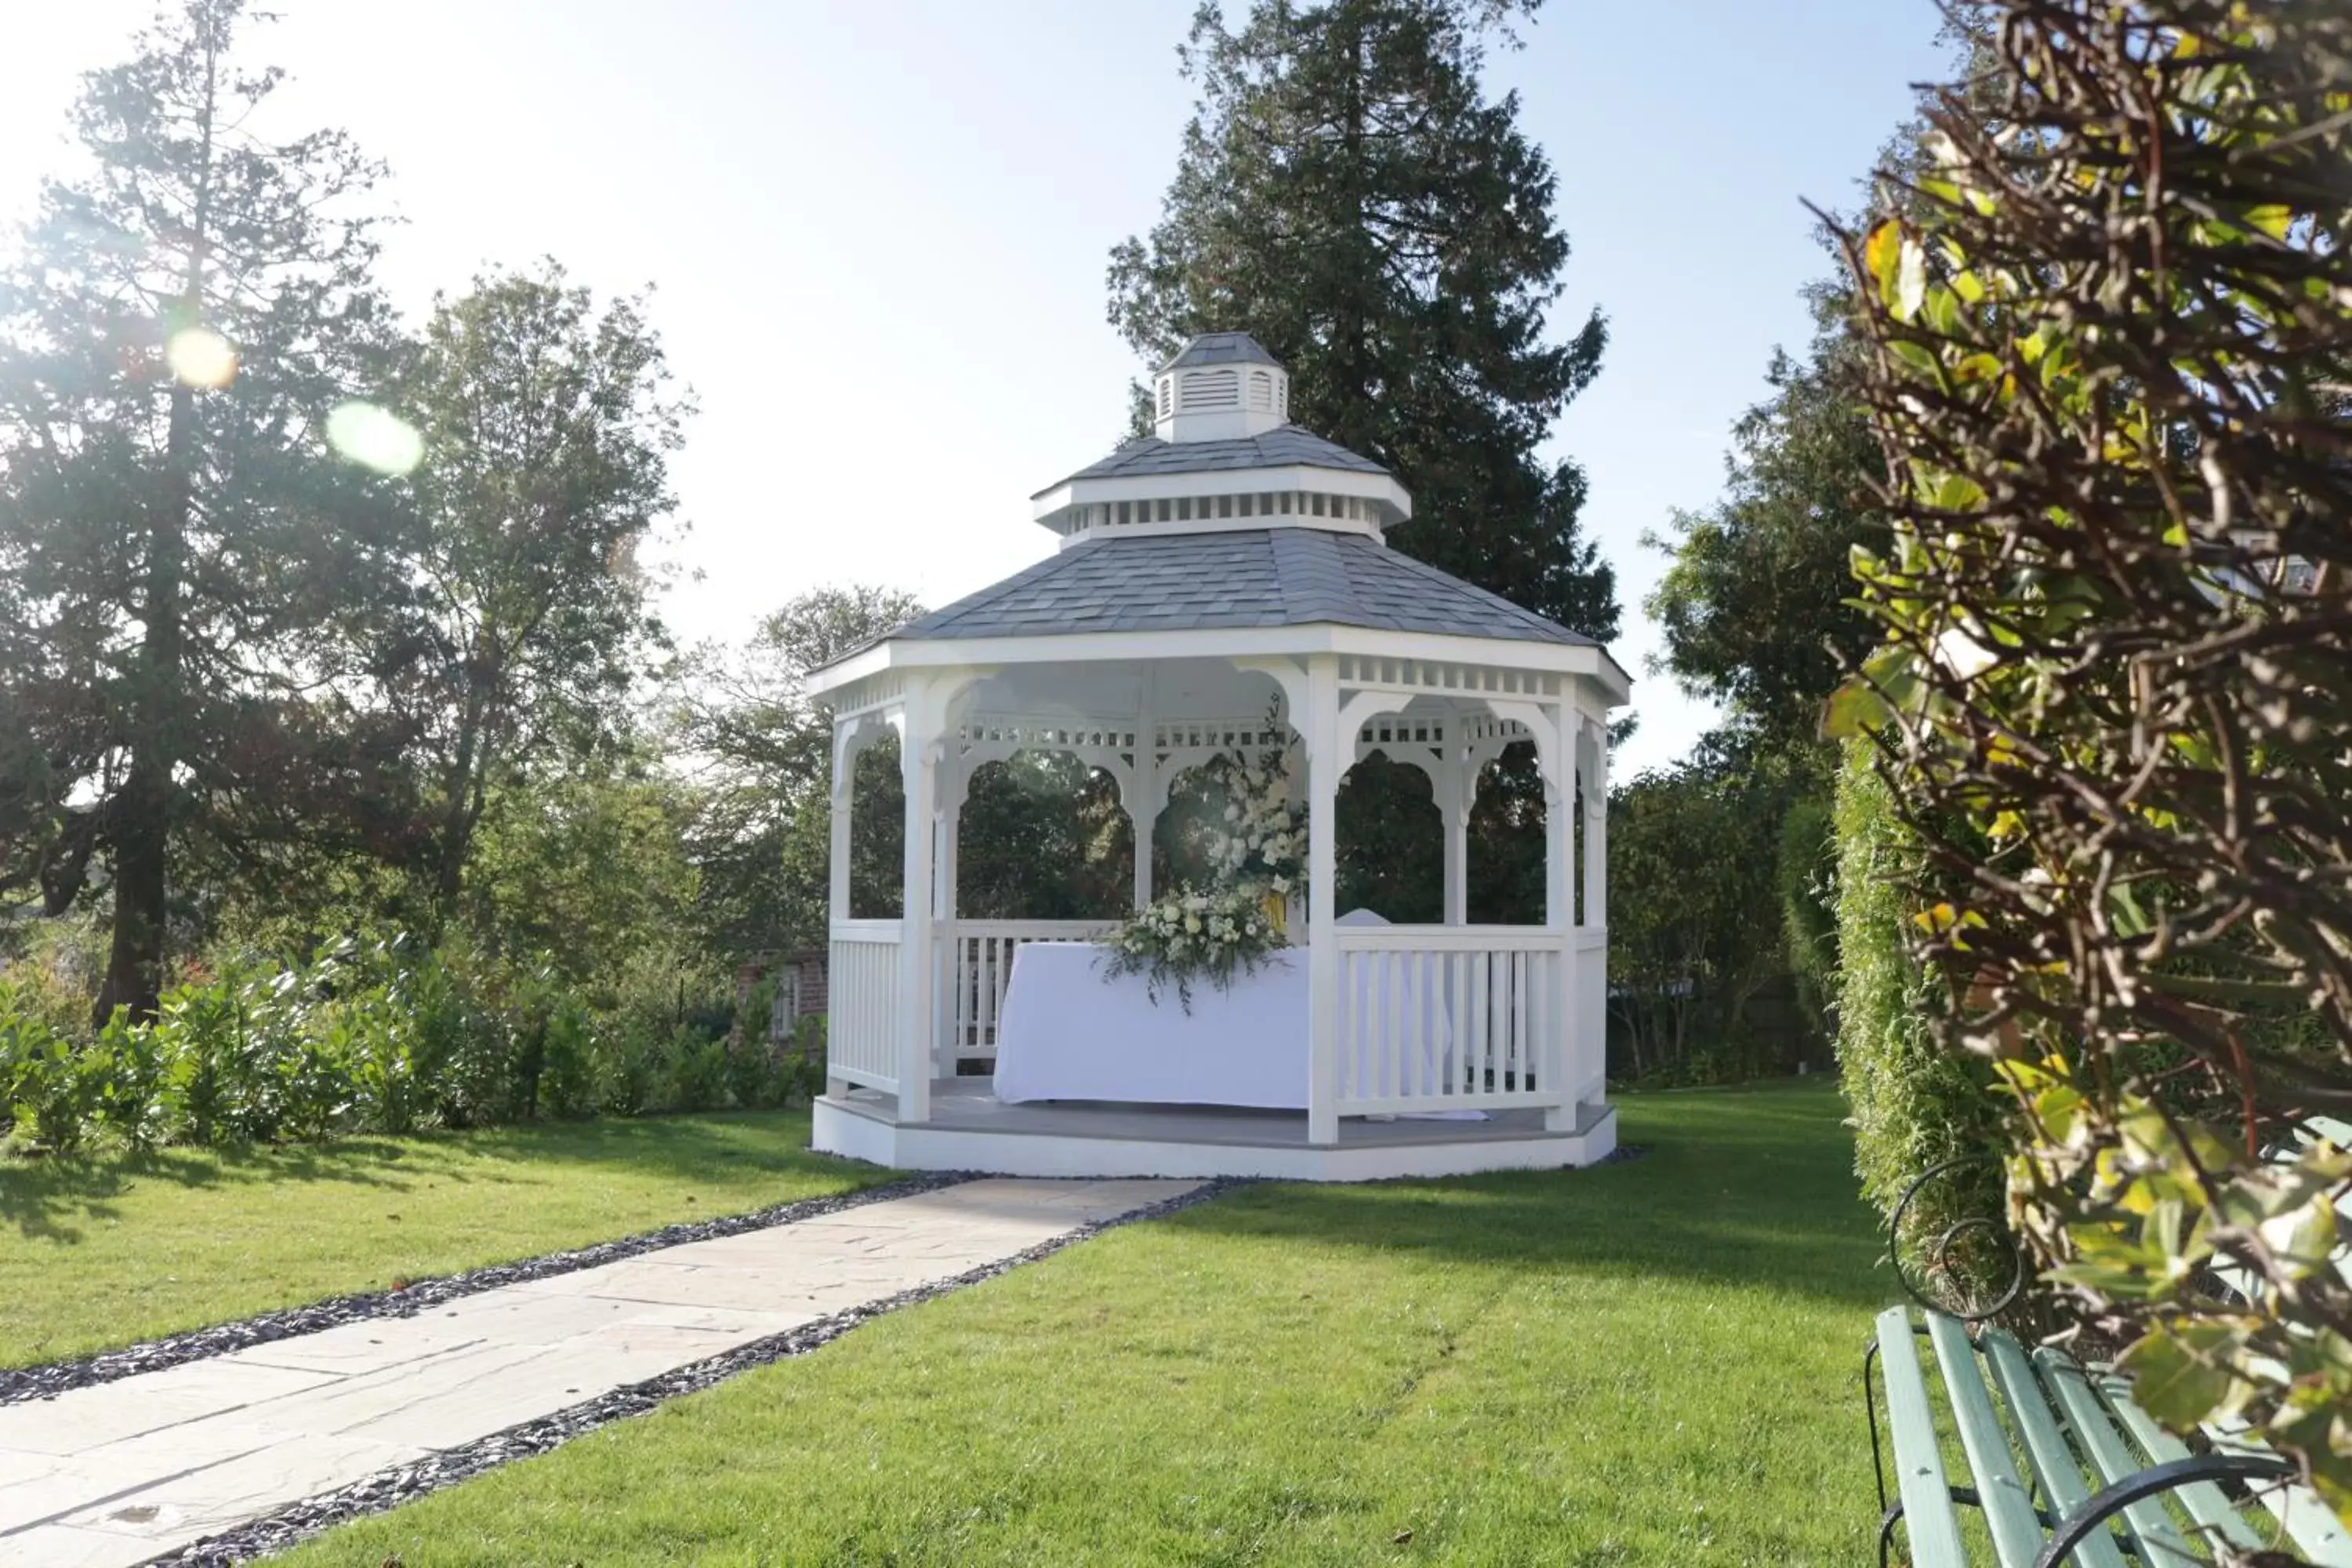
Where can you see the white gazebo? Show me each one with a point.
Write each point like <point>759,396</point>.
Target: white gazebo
<point>1229,567</point>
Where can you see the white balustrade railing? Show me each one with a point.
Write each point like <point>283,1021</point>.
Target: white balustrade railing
<point>1452,1018</point>
<point>862,1004</point>
<point>1592,1012</point>
<point>977,965</point>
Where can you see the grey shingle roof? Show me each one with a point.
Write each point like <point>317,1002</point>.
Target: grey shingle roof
<point>1222,348</point>
<point>1251,577</point>
<point>1286,446</point>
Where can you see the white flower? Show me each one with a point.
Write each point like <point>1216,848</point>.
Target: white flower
<point>1192,922</point>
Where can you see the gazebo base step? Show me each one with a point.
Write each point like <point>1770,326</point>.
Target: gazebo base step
<point>970,1130</point>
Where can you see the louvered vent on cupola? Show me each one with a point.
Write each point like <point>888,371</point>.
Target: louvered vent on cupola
<point>1208,390</point>
<point>1220,387</point>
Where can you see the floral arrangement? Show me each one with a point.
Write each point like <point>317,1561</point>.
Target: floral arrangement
<point>1187,936</point>
<point>1233,925</point>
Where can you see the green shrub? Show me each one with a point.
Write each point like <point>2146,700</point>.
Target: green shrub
<point>381,1037</point>
<point>466,1048</point>
<point>197,1031</point>
<point>129,1060</point>
<point>62,1087</point>
<point>1807,880</point>
<point>628,1070</point>
<point>697,1071</point>
<point>50,1088</point>
<point>374,1026</point>
<point>1913,1105</point>
<point>567,1070</point>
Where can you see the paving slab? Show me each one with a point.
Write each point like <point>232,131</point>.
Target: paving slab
<point>110,1476</point>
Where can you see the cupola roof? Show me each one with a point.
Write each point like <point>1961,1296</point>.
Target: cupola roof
<point>1223,456</point>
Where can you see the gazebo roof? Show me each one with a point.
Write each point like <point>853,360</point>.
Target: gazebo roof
<point>1287,446</point>
<point>1244,577</point>
<point>1222,348</point>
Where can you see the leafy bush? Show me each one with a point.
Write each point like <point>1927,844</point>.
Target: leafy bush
<point>51,1089</point>
<point>2111,333</point>
<point>380,1037</point>
<point>1698,945</point>
<point>628,1071</point>
<point>1915,1105</point>
<point>567,1072</point>
<point>698,1070</point>
<point>129,1063</point>
<point>1808,883</point>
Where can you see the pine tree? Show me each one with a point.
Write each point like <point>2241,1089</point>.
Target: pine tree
<point>190,562</point>
<point>1347,194</point>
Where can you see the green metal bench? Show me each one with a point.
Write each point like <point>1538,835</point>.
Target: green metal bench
<point>2062,1464</point>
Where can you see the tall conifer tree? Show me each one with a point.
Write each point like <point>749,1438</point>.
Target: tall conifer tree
<point>1348,192</point>
<point>187,562</point>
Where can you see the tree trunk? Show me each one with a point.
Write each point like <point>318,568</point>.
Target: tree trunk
<point>141,810</point>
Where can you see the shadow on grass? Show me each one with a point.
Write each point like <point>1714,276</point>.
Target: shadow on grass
<point>53,1198</point>
<point>1744,1188</point>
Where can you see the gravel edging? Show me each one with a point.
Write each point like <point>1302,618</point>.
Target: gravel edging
<point>295,1522</point>
<point>20,1383</point>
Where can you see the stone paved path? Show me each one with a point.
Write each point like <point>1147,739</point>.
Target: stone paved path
<point>110,1476</point>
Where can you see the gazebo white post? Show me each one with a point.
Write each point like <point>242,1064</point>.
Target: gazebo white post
<point>1596,827</point>
<point>1457,787</point>
<point>1318,726</point>
<point>1558,749</point>
<point>919,750</point>
<point>955,783</point>
<point>845,774</point>
<point>1142,800</point>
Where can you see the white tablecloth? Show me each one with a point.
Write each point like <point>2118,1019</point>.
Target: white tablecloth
<point>1067,1032</point>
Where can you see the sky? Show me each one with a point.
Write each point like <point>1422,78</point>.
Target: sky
<point>877,236</point>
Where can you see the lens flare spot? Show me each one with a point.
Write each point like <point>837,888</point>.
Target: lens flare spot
<point>200,356</point>
<point>375,437</point>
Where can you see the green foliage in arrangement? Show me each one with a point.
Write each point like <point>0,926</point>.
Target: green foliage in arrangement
<point>379,1038</point>
<point>2110,321</point>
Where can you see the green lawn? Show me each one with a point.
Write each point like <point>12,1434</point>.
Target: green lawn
<point>96,1253</point>
<point>1652,1363</point>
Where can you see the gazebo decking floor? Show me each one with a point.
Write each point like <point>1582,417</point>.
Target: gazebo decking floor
<point>970,1128</point>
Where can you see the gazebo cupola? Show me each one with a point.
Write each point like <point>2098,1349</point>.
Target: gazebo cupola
<point>1219,386</point>
<point>1224,456</point>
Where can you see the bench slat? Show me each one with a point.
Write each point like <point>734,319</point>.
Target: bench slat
<point>2045,1445</point>
<point>2310,1523</point>
<point>1927,1516</point>
<point>2017,1534</point>
<point>2160,1539</point>
<point>2206,1503</point>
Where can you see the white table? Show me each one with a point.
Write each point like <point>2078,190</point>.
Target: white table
<point>1067,1032</point>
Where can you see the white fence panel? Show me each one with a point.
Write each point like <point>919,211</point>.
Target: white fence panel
<point>1591,1011</point>
<point>979,966</point>
<point>1449,1018</point>
<point>862,1004</point>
